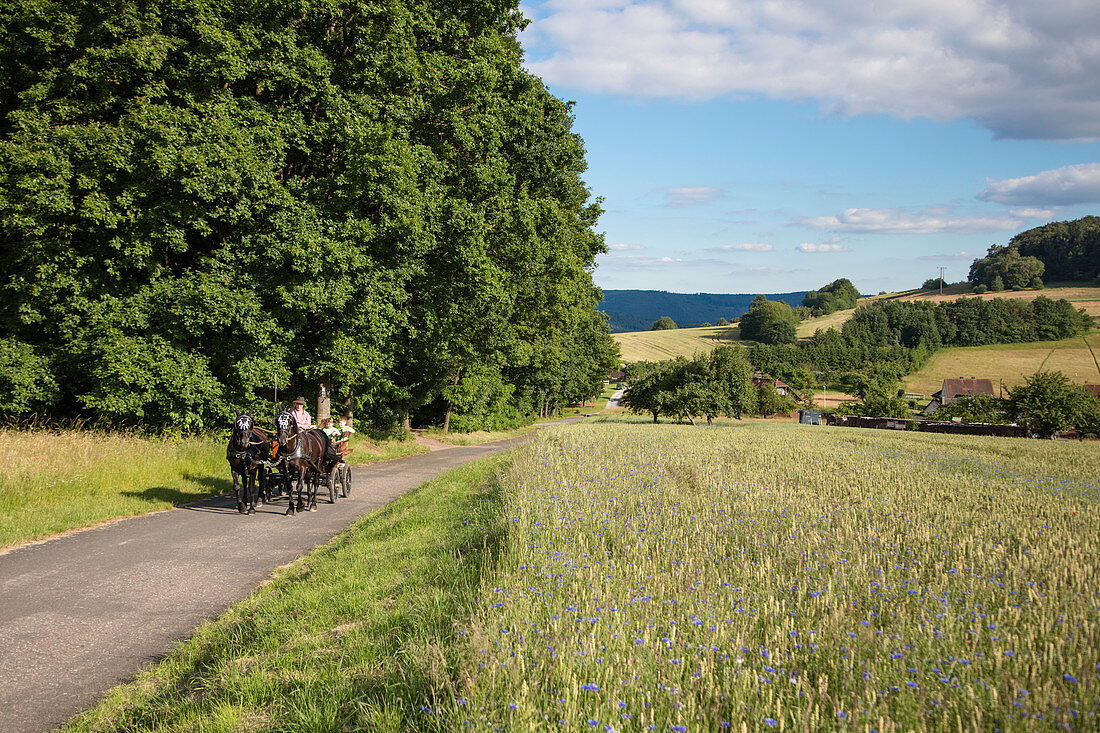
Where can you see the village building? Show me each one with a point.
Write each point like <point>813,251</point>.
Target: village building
<point>955,388</point>
<point>759,379</point>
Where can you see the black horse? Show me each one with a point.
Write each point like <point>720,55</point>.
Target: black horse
<point>247,450</point>
<point>305,451</point>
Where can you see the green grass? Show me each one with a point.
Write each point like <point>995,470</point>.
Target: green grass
<point>61,480</point>
<point>623,576</point>
<point>64,480</point>
<point>356,636</point>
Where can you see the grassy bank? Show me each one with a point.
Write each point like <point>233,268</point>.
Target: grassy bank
<point>58,480</point>
<point>357,636</point>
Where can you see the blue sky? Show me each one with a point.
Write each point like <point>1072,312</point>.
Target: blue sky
<point>777,145</point>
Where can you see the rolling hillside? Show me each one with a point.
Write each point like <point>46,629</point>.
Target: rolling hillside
<point>661,345</point>
<point>1081,297</point>
<point>1008,364</point>
<point>1078,358</point>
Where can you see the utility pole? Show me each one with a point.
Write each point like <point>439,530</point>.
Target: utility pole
<point>941,279</point>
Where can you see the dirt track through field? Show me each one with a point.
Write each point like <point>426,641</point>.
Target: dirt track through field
<point>82,613</point>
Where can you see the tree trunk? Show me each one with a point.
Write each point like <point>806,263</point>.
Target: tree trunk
<point>348,413</point>
<point>451,404</point>
<point>406,419</point>
<point>324,404</point>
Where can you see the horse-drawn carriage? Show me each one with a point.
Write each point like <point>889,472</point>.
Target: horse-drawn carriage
<point>265,464</point>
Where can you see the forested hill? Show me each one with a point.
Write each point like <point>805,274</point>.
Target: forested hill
<point>636,310</point>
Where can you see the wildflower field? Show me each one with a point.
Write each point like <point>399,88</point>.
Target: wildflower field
<point>783,577</point>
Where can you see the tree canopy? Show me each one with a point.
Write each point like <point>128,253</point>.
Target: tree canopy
<point>376,198</point>
<point>838,295</point>
<point>1069,250</point>
<point>769,322</point>
<point>1005,268</point>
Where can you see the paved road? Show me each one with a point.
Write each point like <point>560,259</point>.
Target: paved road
<point>82,613</point>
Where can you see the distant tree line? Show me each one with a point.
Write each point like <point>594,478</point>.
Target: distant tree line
<point>372,199</point>
<point>885,340</point>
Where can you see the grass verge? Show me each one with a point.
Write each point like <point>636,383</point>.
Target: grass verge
<point>359,635</point>
<point>61,480</point>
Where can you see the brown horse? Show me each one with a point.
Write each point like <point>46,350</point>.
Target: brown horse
<point>247,450</point>
<point>305,451</point>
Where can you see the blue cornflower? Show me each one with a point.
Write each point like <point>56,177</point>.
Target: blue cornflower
<point>842,715</point>
<point>771,722</point>
<point>912,684</point>
<point>591,687</point>
<point>1069,678</point>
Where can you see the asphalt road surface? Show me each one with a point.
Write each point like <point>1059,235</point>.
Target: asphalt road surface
<point>82,613</point>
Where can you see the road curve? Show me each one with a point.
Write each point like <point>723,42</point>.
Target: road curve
<point>82,613</point>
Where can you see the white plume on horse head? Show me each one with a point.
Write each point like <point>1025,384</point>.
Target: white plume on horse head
<point>284,420</point>
<point>244,421</point>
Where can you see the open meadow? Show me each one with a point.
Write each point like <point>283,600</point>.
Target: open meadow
<point>668,344</point>
<point>631,577</point>
<point>1009,364</point>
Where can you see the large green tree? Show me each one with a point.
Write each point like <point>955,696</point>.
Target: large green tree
<point>769,322</point>
<point>198,200</point>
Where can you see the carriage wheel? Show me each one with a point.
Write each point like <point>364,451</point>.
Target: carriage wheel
<point>347,481</point>
<point>331,484</point>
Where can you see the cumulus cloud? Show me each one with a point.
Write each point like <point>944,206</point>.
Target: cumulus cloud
<point>1033,213</point>
<point>1020,68</point>
<point>678,196</point>
<point>1071,184</point>
<point>897,221</point>
<point>810,247</point>
<point>745,247</point>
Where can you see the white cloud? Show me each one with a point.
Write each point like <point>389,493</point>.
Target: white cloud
<point>1020,68</point>
<point>678,196</point>
<point>745,247</point>
<point>1071,184</point>
<point>897,221</point>
<point>810,247</point>
<point>1033,213</point>
<point>625,247</point>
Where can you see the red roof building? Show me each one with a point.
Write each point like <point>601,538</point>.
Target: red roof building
<point>955,388</point>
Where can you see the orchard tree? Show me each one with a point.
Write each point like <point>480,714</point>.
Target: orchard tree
<point>1048,403</point>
